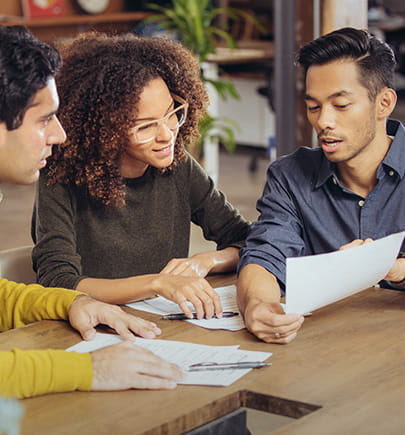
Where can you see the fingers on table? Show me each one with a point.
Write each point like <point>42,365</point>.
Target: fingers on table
<point>205,300</point>
<point>132,324</point>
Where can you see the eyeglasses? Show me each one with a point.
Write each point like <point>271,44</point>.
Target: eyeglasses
<point>148,131</point>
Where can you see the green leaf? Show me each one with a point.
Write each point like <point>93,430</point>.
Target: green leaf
<point>223,88</point>
<point>194,21</point>
<point>221,129</point>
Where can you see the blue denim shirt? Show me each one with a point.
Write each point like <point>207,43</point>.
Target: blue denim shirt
<point>304,210</point>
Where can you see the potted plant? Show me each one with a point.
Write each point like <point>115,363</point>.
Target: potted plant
<point>195,24</point>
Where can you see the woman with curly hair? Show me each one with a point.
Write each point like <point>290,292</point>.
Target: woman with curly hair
<point>113,210</point>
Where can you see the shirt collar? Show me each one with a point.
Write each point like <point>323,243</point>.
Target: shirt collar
<point>395,158</point>
<point>326,170</point>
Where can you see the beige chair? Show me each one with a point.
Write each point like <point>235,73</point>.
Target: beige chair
<point>16,265</point>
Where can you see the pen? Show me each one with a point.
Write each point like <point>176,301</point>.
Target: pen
<point>182,316</point>
<point>227,366</point>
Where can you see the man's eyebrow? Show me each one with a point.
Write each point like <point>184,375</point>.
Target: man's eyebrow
<point>36,104</point>
<point>49,115</point>
<point>334,95</point>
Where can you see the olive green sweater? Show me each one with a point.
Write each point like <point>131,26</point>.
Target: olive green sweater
<point>77,237</point>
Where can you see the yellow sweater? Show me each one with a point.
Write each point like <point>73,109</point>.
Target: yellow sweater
<point>33,372</point>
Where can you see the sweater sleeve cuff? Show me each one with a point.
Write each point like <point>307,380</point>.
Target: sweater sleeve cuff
<point>27,373</point>
<point>73,371</point>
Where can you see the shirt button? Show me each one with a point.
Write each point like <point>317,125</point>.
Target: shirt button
<point>361,203</point>
<point>334,180</point>
<point>391,173</point>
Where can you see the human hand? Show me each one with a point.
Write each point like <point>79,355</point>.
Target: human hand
<point>268,322</point>
<point>124,366</point>
<point>197,265</point>
<point>86,313</point>
<point>181,289</point>
<point>354,243</point>
<point>397,271</point>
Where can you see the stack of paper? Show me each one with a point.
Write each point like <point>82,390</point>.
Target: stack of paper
<point>185,355</point>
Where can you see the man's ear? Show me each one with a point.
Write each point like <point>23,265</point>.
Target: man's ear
<point>386,101</point>
<point>3,133</point>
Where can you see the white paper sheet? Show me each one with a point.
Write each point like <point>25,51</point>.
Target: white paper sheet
<point>185,354</point>
<point>161,305</point>
<point>318,280</point>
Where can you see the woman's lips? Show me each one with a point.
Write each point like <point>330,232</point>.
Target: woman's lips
<point>164,151</point>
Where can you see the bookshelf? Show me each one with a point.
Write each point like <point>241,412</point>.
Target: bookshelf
<point>115,19</point>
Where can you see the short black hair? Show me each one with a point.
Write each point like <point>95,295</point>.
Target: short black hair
<point>375,59</point>
<point>26,65</point>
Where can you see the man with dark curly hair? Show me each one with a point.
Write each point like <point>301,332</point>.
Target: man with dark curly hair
<point>113,212</point>
<point>28,130</point>
<point>341,194</point>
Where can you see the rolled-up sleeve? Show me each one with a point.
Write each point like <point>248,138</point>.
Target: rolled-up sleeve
<point>278,233</point>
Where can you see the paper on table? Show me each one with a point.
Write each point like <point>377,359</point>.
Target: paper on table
<point>185,354</point>
<point>161,305</point>
<point>317,280</point>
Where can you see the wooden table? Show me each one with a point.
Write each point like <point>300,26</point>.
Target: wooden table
<point>344,373</point>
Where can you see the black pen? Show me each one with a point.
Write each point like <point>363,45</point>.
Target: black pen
<point>182,316</point>
<point>227,366</point>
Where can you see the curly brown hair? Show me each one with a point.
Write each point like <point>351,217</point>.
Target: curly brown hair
<point>99,85</point>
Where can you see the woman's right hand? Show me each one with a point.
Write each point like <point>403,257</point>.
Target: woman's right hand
<point>183,289</point>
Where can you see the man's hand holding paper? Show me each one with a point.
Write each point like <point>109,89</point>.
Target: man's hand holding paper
<point>397,272</point>
<point>364,265</point>
<point>263,314</point>
<point>268,322</point>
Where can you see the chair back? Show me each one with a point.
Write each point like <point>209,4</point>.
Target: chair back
<point>16,265</point>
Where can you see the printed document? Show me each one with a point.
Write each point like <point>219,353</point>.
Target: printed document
<point>162,306</point>
<point>317,280</point>
<point>185,354</point>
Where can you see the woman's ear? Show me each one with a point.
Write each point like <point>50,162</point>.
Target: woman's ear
<point>386,101</point>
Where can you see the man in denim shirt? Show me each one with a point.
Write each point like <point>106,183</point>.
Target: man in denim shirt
<point>346,192</point>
